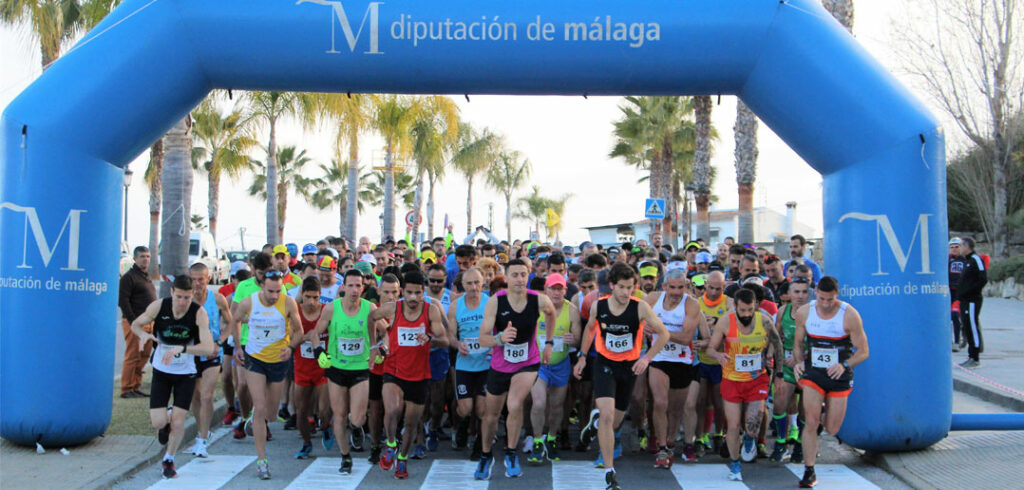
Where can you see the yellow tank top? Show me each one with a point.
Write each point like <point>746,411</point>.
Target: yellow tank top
<point>746,351</point>
<point>712,312</point>
<point>268,329</point>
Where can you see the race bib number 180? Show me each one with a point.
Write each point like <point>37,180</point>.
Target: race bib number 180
<point>516,353</point>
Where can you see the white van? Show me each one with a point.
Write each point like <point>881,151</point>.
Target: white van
<point>203,248</point>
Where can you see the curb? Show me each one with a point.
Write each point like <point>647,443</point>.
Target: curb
<point>118,475</point>
<point>987,394</point>
<point>891,463</point>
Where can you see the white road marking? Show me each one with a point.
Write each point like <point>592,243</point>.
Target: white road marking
<point>709,476</point>
<point>206,473</point>
<point>834,476</point>
<point>446,474</point>
<point>323,473</point>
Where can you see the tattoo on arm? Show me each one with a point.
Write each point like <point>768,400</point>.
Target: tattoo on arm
<point>777,348</point>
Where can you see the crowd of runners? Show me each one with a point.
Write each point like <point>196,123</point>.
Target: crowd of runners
<point>728,351</point>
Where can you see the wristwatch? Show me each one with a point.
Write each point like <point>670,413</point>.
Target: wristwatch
<point>846,365</point>
<point>497,338</point>
<point>550,342</point>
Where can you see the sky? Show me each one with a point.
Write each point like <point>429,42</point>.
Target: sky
<point>566,139</point>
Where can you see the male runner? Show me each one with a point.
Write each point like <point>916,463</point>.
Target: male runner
<point>178,323</point>
<point>548,392</point>
<point>329,283</point>
<point>713,304</point>
<point>275,330</point>
<point>261,263</point>
<point>407,365</point>
<point>784,411</point>
<point>208,368</point>
<point>836,342</point>
<point>747,335</point>
<point>390,291</point>
<point>674,375</point>
<point>309,380</point>
<point>346,359</point>
<point>439,359</point>
<point>615,329</point>
<point>510,326</point>
<point>472,363</point>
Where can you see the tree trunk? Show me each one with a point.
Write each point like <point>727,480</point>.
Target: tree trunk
<point>663,182</point>
<point>47,57</point>
<point>1000,229</point>
<point>430,208</point>
<point>469,204</point>
<point>745,129</point>
<point>342,215</point>
<point>282,208</point>
<point>352,210</point>
<point>702,164</point>
<point>508,217</point>
<point>272,225</point>
<point>213,198</point>
<point>842,10</point>
<point>417,201</point>
<point>389,195</point>
<point>176,178</point>
<point>156,162</point>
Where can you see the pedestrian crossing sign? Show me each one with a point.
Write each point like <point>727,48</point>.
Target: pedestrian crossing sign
<point>654,208</point>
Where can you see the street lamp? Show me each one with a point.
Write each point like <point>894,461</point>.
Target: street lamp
<point>127,182</point>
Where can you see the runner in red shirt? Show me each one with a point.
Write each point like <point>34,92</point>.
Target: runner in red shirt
<point>309,376</point>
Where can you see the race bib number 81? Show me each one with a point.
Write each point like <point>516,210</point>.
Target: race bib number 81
<point>748,363</point>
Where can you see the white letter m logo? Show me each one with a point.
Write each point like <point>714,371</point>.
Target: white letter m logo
<point>372,12</point>
<point>72,223</point>
<point>884,228</point>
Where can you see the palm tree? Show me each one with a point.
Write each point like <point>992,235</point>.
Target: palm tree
<point>435,128</point>
<point>745,130</point>
<point>404,188</point>
<point>507,174</point>
<point>558,206</point>
<point>331,189</point>
<point>393,117</point>
<point>176,182</point>
<point>55,22</point>
<point>152,176</point>
<point>268,108</point>
<point>842,10</point>
<point>223,146</point>
<point>702,171</point>
<point>532,208</point>
<point>352,113</point>
<point>434,174</point>
<point>473,151</point>
<point>290,162</point>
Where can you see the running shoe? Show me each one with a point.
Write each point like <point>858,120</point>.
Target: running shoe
<point>616,454</point>
<point>762,450</point>
<point>537,455</point>
<point>346,466</point>
<point>734,471</point>
<point>238,430</point>
<point>956,347</point>
<point>387,459</point>
<point>167,469</point>
<point>588,431</point>
<point>304,452</point>
<point>199,449</point>
<point>723,448</point>
<point>290,424</point>
<point>163,434</point>
<point>356,435</point>
<point>663,459</point>
<point>641,437</point>
<point>689,454</point>
<point>328,439</point>
<point>610,482</point>
<point>283,415</point>
<point>970,363</point>
<point>263,469</point>
<point>574,416</point>
<point>551,450</point>
<point>374,454</point>
<point>797,456</point>
<point>402,469</point>
<point>248,427</point>
<point>229,416</point>
<point>810,479</point>
<point>433,440</point>
<point>512,468</point>
<point>483,468</point>
<point>418,452</point>
<point>778,452</point>
<point>748,453</point>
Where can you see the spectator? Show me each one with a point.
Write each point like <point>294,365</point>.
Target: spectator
<point>135,293</point>
<point>797,247</point>
<point>968,291</point>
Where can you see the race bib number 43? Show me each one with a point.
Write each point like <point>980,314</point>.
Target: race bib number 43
<point>824,358</point>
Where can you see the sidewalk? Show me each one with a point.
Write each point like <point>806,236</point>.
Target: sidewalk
<point>998,380</point>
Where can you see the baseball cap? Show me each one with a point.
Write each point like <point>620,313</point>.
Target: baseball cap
<point>364,268</point>
<point>691,244</point>
<point>703,258</point>
<point>955,241</point>
<point>238,265</point>
<point>699,280</point>
<point>368,258</point>
<point>293,249</point>
<point>648,269</point>
<point>568,250</point>
<point>281,249</point>
<point>308,248</point>
<point>428,255</point>
<point>585,245</point>
<point>677,265</point>
<point>554,280</point>
<point>613,251</point>
<point>326,264</point>
<point>332,252</point>
<point>753,279</point>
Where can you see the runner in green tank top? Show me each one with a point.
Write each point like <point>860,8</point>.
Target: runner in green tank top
<point>349,344</point>
<point>784,412</point>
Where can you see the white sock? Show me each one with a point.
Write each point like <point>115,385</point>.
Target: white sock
<point>609,470</point>
<point>792,420</point>
<point>168,457</point>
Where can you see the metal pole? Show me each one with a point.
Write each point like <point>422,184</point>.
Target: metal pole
<point>125,214</point>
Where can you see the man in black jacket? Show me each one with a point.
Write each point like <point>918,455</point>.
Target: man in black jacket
<point>135,293</point>
<point>956,268</point>
<point>968,291</point>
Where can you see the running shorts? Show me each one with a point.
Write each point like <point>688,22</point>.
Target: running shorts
<point>818,380</point>
<point>754,390</point>
<point>346,378</point>
<point>712,372</point>
<point>202,366</point>
<point>614,379</point>
<point>376,387</point>
<point>680,374</point>
<point>412,391</point>
<point>274,371</point>
<point>556,375</point>
<point>499,382</point>
<point>308,373</point>
<point>439,364</point>
<point>164,385</point>
<point>469,384</point>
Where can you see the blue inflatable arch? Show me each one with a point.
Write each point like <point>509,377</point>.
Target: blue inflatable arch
<point>66,138</point>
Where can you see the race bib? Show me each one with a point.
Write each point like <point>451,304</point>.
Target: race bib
<point>407,336</point>
<point>789,354</point>
<point>748,363</point>
<point>559,343</point>
<point>516,353</point>
<point>474,346</point>
<point>353,347</point>
<point>306,350</point>
<point>618,343</point>
<point>176,361</point>
<point>268,335</point>
<point>824,358</point>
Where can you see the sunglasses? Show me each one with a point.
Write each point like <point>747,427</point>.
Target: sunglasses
<point>800,280</point>
<point>273,274</point>
<point>771,259</point>
<point>436,281</point>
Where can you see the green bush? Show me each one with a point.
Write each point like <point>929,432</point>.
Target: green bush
<point>1011,267</point>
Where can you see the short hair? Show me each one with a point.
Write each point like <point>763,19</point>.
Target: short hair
<point>737,250</point>
<point>587,275</point>
<point>596,261</point>
<point>311,283</point>
<point>457,283</point>
<point>390,279</point>
<point>800,238</point>
<point>497,284</point>
<point>437,267</point>
<point>968,241</point>
<point>352,273</point>
<point>575,268</point>
<point>515,262</point>
<point>675,274</point>
<point>783,289</point>
<point>621,271</point>
<point>828,284</point>
<point>337,241</point>
<point>803,268</point>
<point>749,257</point>
<point>556,259</point>
<point>344,259</point>
<point>199,267</point>
<point>138,250</point>
<point>537,283</point>
<point>408,267</point>
<point>182,282</point>
<point>465,251</point>
<point>261,261</point>
<point>243,275</point>
<point>745,296</point>
<point>307,265</point>
<point>379,248</point>
<point>413,277</point>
